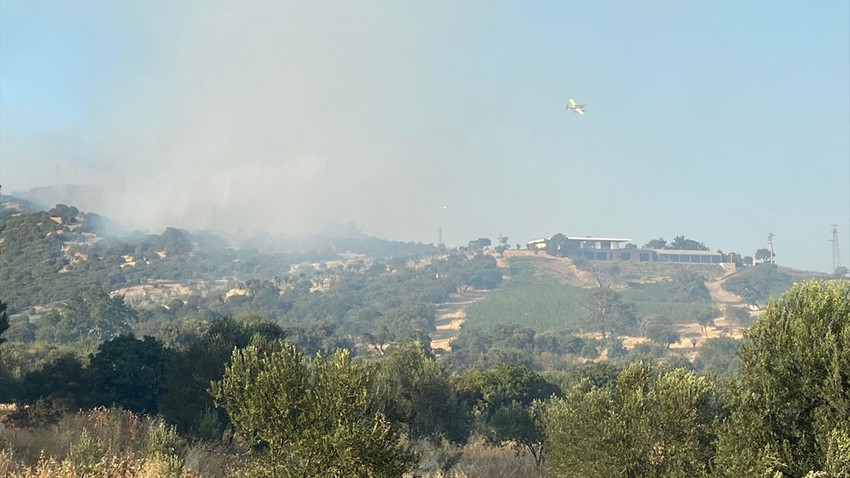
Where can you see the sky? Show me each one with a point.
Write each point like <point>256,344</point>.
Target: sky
<point>721,121</point>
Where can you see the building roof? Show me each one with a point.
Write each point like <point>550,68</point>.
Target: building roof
<point>686,251</point>
<point>594,238</point>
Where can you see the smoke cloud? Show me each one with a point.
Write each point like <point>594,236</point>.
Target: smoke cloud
<point>280,117</point>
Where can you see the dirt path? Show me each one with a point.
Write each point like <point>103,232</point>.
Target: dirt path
<point>451,314</point>
<point>692,334</point>
<point>720,296</point>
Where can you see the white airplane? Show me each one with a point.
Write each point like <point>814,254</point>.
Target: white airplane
<point>575,107</point>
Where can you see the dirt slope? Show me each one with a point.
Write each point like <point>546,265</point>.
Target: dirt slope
<point>451,314</point>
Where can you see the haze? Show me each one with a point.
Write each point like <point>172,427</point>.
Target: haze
<point>721,121</point>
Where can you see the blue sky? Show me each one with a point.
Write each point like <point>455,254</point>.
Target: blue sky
<point>721,121</point>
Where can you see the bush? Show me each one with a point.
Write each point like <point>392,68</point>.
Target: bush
<point>87,457</point>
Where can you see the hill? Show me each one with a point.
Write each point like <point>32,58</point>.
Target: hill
<point>354,287</point>
<point>679,306</point>
<point>48,255</point>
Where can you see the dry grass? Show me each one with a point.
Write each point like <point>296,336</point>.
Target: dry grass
<point>476,459</point>
<point>109,443</point>
<point>114,443</point>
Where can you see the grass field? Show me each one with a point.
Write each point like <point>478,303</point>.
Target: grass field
<point>541,306</point>
<point>536,299</point>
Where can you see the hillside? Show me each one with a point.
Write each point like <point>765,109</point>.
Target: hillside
<point>48,256</point>
<point>545,294</point>
<point>354,283</point>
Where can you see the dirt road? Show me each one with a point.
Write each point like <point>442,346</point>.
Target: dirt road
<point>722,297</point>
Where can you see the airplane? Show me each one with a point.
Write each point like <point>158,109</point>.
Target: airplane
<point>575,107</point>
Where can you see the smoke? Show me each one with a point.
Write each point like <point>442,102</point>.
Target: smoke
<point>273,116</point>
<point>284,116</point>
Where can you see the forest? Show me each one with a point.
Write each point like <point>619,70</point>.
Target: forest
<point>235,361</point>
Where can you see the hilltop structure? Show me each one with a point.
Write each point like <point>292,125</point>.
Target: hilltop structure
<point>609,249</point>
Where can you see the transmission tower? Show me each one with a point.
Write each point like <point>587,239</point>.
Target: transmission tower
<point>836,252</point>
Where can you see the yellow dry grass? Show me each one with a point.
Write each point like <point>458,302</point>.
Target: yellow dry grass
<point>118,448</point>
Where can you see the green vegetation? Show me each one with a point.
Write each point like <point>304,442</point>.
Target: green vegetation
<point>784,414</point>
<point>415,390</point>
<point>791,413</point>
<point>542,306</point>
<point>92,315</point>
<point>50,256</point>
<point>719,356</point>
<point>313,367</point>
<point>758,283</point>
<point>675,312</point>
<point>4,321</point>
<point>312,417</point>
<point>650,422</point>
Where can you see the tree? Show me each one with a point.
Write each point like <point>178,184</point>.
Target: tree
<point>659,243</point>
<point>483,272</point>
<point>4,320</point>
<point>313,417</point>
<point>186,400</point>
<point>682,243</point>
<point>737,316</point>
<point>479,244</point>
<point>520,425</point>
<point>6,381</point>
<point>757,284</point>
<point>93,315</point>
<point>661,331</point>
<point>792,411</point>
<point>607,313</point>
<point>764,255</point>
<point>68,215</point>
<point>508,406</point>
<point>559,246</point>
<point>62,380</point>
<point>719,355</point>
<point>706,319</point>
<point>415,390</point>
<point>130,373</point>
<point>688,286</point>
<point>401,324</point>
<point>651,422</point>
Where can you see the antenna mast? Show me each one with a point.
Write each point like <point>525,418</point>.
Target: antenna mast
<point>836,252</point>
<point>770,243</point>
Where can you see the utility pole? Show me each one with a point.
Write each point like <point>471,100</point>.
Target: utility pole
<point>770,243</point>
<point>836,252</point>
<point>440,237</point>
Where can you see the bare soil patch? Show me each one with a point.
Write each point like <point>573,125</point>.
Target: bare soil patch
<point>449,316</point>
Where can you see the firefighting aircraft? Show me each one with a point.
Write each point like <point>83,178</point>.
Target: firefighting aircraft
<point>575,107</point>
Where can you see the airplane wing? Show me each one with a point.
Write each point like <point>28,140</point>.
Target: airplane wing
<point>579,110</point>
<point>572,102</point>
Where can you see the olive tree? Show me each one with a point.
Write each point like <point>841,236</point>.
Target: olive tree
<point>311,417</point>
<point>652,422</point>
<point>792,410</point>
